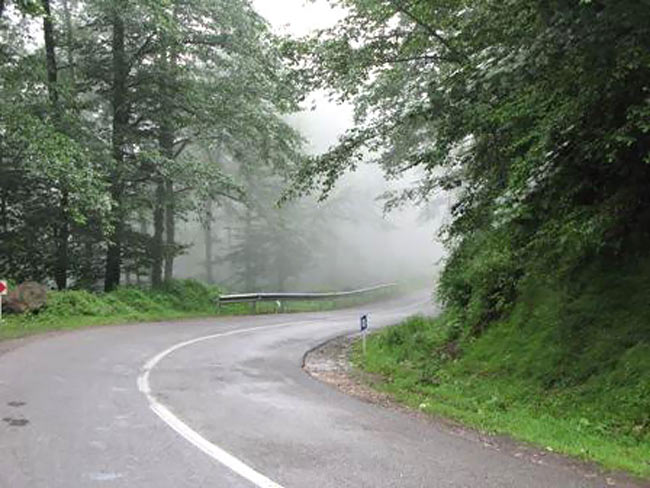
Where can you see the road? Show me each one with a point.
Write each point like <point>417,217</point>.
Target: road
<point>224,403</point>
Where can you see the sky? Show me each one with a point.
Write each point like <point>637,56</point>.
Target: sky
<point>297,17</point>
<point>321,126</point>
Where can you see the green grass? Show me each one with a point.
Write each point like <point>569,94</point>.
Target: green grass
<point>77,308</point>
<point>567,373</point>
<point>176,300</point>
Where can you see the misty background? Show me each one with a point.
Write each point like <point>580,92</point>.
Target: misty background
<point>347,241</point>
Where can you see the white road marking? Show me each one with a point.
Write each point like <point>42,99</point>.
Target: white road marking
<point>189,434</point>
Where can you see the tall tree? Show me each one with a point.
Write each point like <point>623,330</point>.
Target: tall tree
<point>105,119</point>
<point>120,126</point>
<point>48,180</point>
<point>534,113</point>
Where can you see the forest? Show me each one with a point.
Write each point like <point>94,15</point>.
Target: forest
<point>122,120</point>
<point>128,125</point>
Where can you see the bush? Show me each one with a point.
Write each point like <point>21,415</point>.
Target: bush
<point>73,308</point>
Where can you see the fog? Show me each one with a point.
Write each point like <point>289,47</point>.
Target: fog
<point>345,242</point>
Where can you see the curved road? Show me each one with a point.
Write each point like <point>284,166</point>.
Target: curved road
<point>224,403</point>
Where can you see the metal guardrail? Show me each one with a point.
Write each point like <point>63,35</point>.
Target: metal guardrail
<point>279,298</point>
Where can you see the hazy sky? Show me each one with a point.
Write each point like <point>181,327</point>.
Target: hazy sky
<point>372,253</point>
<point>322,126</point>
<point>297,17</point>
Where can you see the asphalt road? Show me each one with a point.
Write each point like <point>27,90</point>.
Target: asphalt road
<point>224,403</point>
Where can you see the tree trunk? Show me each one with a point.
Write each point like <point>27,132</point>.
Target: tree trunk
<point>249,277</point>
<point>249,251</point>
<point>88,278</point>
<point>50,55</point>
<point>144,230</point>
<point>113,271</point>
<point>62,252</point>
<point>69,39</point>
<point>4,211</point>
<point>170,230</point>
<point>166,187</point>
<point>166,138</point>
<point>158,231</point>
<point>282,279</point>
<point>209,241</point>
<point>120,127</point>
<point>62,232</point>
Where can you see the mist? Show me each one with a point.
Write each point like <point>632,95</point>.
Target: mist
<point>344,242</point>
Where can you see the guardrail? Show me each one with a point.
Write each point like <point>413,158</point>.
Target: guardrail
<point>279,298</point>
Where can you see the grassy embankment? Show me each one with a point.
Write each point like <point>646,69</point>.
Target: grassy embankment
<point>179,299</point>
<point>569,372</point>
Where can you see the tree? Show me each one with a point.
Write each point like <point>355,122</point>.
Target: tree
<point>106,117</point>
<point>533,113</point>
<point>49,182</point>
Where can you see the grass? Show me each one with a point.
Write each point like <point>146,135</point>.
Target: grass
<point>567,373</point>
<point>74,309</point>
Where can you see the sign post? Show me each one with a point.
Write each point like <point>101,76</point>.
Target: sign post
<point>364,330</point>
<point>4,288</point>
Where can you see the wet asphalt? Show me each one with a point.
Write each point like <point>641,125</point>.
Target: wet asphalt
<point>72,414</point>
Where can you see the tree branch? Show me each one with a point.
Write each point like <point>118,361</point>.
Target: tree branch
<point>143,49</point>
<point>411,15</point>
<point>182,145</point>
<point>413,58</point>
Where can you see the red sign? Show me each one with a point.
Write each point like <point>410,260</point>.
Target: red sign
<point>3,288</point>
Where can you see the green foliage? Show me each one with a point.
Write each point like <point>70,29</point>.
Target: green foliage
<point>75,308</point>
<point>176,299</point>
<point>121,105</point>
<point>566,368</point>
<point>533,114</point>
<point>480,279</point>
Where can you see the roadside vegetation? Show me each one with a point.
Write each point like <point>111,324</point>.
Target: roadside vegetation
<point>162,155</point>
<point>74,309</point>
<point>565,369</point>
<point>533,118</point>
<point>120,121</point>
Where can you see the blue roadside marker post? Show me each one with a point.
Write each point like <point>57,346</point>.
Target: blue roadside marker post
<point>364,330</point>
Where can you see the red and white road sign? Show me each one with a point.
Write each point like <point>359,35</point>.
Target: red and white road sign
<point>4,288</point>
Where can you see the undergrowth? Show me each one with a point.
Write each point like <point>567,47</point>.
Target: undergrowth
<point>568,368</point>
<point>74,309</point>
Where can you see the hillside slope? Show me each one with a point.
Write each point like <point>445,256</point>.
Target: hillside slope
<point>568,368</point>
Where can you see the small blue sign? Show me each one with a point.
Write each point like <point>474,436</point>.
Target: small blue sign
<point>364,323</point>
